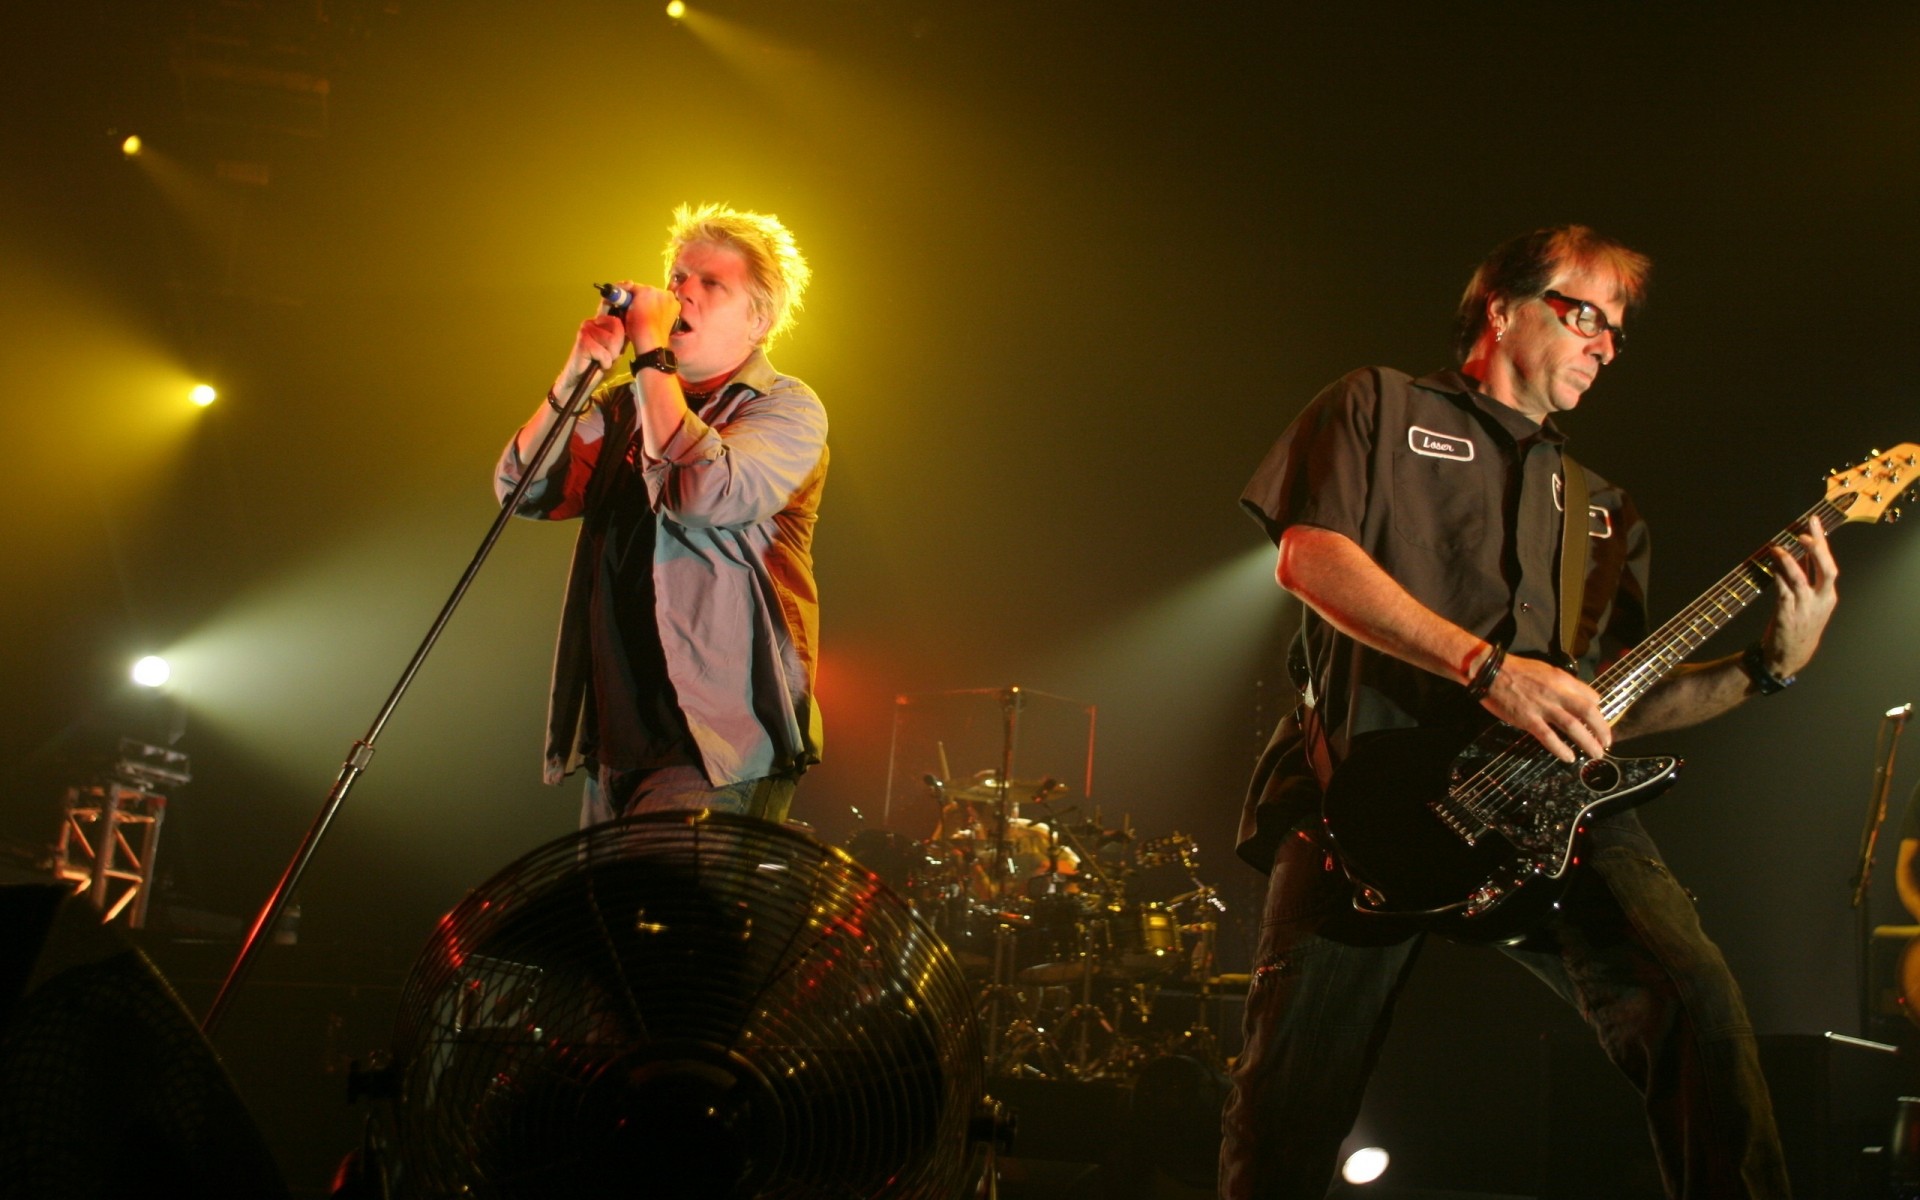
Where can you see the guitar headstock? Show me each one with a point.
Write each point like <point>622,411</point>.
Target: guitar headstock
<point>1867,492</point>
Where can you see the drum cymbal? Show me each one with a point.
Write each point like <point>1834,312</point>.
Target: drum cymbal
<point>985,789</point>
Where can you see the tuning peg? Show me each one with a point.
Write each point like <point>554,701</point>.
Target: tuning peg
<point>1893,515</point>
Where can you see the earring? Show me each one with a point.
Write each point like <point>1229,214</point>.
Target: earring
<point>1498,334</point>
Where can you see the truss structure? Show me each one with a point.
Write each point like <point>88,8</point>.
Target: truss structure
<point>109,833</point>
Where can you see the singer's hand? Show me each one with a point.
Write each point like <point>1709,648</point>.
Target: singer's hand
<point>598,344</point>
<point>601,339</point>
<point>651,316</point>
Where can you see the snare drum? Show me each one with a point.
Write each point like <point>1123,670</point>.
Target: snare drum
<point>1145,942</point>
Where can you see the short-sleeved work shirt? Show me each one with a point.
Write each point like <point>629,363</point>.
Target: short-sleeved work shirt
<point>1459,498</point>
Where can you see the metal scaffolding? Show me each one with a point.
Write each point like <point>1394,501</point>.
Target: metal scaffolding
<point>109,834</point>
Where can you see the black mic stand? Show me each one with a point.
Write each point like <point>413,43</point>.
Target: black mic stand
<point>362,752</point>
<point>1885,744</point>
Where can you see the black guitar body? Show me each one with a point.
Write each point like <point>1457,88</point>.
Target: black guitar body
<point>1478,838</point>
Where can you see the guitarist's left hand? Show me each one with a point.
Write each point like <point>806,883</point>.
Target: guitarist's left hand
<point>1803,598</point>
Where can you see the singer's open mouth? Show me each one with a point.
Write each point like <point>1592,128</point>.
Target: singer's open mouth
<point>680,325</point>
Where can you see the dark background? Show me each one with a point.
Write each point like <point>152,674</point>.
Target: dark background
<point>1077,265</point>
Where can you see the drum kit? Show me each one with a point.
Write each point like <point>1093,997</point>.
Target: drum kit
<point>1084,967</point>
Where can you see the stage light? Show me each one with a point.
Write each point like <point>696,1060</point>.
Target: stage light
<point>131,146</point>
<point>1364,1165</point>
<point>203,395</point>
<point>677,9</point>
<point>152,671</point>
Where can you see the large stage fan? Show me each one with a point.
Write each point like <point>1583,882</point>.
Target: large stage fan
<point>685,1005</point>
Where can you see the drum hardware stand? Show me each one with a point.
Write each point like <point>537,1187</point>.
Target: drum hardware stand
<point>1886,743</point>
<point>360,755</point>
<point>1200,1040</point>
<point>1012,1044</point>
<point>998,991</point>
<point>1003,809</point>
<point>1085,1019</point>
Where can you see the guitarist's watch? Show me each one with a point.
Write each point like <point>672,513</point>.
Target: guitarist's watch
<point>659,358</point>
<point>1754,663</point>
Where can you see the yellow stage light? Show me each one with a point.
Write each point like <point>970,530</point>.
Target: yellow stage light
<point>203,395</point>
<point>152,671</point>
<point>131,146</point>
<point>677,9</point>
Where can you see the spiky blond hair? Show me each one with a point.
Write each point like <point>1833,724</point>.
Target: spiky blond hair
<point>777,273</point>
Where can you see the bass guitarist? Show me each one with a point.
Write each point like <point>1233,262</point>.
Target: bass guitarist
<point>1424,523</point>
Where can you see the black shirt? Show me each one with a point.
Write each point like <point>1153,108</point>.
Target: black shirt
<point>632,718</point>
<point>1458,498</point>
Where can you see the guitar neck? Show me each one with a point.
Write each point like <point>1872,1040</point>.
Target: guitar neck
<point>1640,668</point>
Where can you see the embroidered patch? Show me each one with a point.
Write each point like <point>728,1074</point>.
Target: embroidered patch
<point>1599,520</point>
<point>1439,445</point>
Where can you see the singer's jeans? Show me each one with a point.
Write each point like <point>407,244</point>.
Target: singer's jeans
<point>612,793</point>
<point>1626,950</point>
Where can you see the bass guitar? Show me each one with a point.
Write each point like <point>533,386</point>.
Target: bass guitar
<point>1478,834</point>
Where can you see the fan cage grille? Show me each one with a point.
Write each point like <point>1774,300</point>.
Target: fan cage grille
<point>726,1005</point>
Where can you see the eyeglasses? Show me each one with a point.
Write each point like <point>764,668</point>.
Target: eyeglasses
<point>1585,318</point>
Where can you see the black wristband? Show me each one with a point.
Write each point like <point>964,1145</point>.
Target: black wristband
<point>1754,662</point>
<point>553,403</point>
<point>1482,681</point>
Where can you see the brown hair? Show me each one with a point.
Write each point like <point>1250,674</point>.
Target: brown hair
<point>1522,267</point>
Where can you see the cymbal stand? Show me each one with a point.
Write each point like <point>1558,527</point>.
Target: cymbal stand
<point>1199,1038</point>
<point>1011,702</point>
<point>1084,1020</point>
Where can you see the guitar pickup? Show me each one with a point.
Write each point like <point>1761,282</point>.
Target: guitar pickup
<point>1468,832</point>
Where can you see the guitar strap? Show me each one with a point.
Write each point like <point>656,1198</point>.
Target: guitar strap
<point>1575,524</point>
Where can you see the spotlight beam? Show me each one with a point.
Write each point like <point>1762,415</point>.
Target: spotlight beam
<point>361,755</point>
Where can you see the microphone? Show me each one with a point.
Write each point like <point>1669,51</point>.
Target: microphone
<point>1901,713</point>
<point>617,298</point>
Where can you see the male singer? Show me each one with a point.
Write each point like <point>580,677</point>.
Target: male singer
<point>684,673</point>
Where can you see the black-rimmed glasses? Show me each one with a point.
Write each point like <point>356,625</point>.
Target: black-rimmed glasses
<point>1585,318</point>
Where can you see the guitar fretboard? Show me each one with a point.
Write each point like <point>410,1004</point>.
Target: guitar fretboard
<point>1636,672</point>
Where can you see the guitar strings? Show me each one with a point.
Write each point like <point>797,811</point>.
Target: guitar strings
<point>1496,790</point>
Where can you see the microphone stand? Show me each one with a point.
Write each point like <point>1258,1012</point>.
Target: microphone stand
<point>1884,748</point>
<point>362,752</point>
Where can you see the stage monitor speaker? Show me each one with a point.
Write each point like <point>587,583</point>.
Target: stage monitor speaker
<point>1834,1101</point>
<point>107,1088</point>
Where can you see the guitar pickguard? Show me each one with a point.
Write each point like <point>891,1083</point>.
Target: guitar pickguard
<point>1538,804</point>
<point>1425,828</point>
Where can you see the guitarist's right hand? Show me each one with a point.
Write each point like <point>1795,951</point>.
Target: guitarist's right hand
<point>1562,713</point>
